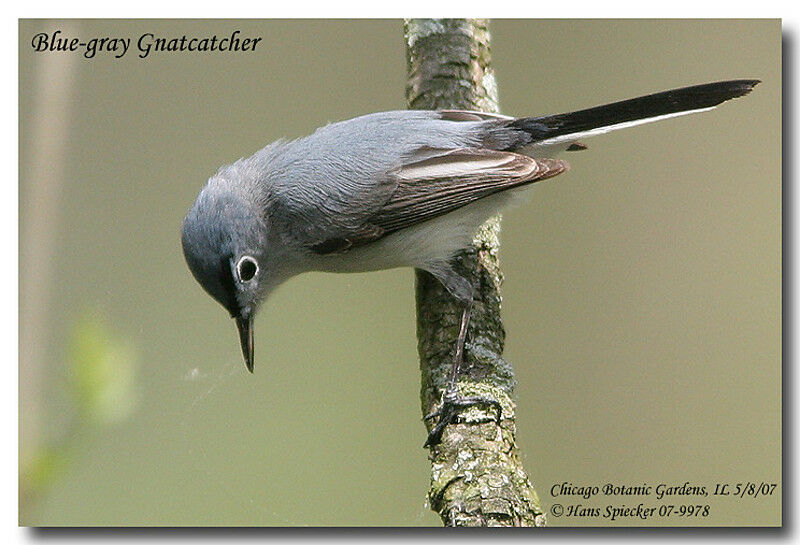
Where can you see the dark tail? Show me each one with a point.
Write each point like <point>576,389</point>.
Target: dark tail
<point>630,112</point>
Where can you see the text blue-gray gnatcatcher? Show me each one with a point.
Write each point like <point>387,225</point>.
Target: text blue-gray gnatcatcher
<point>391,189</point>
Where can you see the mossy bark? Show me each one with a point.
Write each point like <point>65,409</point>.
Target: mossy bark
<point>477,478</point>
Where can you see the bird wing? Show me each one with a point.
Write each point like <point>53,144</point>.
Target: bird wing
<point>436,182</point>
<point>471,115</point>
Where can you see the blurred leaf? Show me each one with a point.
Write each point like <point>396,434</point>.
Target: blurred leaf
<point>46,465</point>
<point>101,372</point>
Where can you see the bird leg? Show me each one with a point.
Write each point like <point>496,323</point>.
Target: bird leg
<point>452,402</point>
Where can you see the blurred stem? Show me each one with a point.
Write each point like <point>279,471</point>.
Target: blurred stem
<point>477,478</point>
<point>42,162</point>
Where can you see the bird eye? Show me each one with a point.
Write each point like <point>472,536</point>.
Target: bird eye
<point>247,268</point>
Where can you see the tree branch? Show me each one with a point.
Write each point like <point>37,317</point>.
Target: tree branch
<point>477,478</point>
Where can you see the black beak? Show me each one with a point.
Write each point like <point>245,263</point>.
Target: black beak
<point>245,326</point>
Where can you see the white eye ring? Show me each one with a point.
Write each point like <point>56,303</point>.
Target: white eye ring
<point>247,268</point>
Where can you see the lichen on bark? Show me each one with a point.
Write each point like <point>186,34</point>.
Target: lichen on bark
<point>477,478</point>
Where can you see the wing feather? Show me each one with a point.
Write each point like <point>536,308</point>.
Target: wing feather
<point>434,186</point>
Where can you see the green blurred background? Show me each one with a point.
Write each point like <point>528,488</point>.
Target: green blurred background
<point>642,294</point>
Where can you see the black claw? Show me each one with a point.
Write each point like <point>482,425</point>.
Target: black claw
<point>451,406</point>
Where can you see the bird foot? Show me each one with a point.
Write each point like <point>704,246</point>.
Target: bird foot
<point>452,405</point>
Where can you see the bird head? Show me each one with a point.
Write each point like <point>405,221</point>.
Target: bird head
<point>223,239</point>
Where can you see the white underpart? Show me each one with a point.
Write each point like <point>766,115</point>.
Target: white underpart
<point>550,146</point>
<point>423,245</point>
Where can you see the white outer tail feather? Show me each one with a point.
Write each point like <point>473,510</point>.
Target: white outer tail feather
<point>551,146</point>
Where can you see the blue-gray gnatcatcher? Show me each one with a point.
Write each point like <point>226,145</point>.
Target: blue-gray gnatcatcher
<point>391,189</point>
